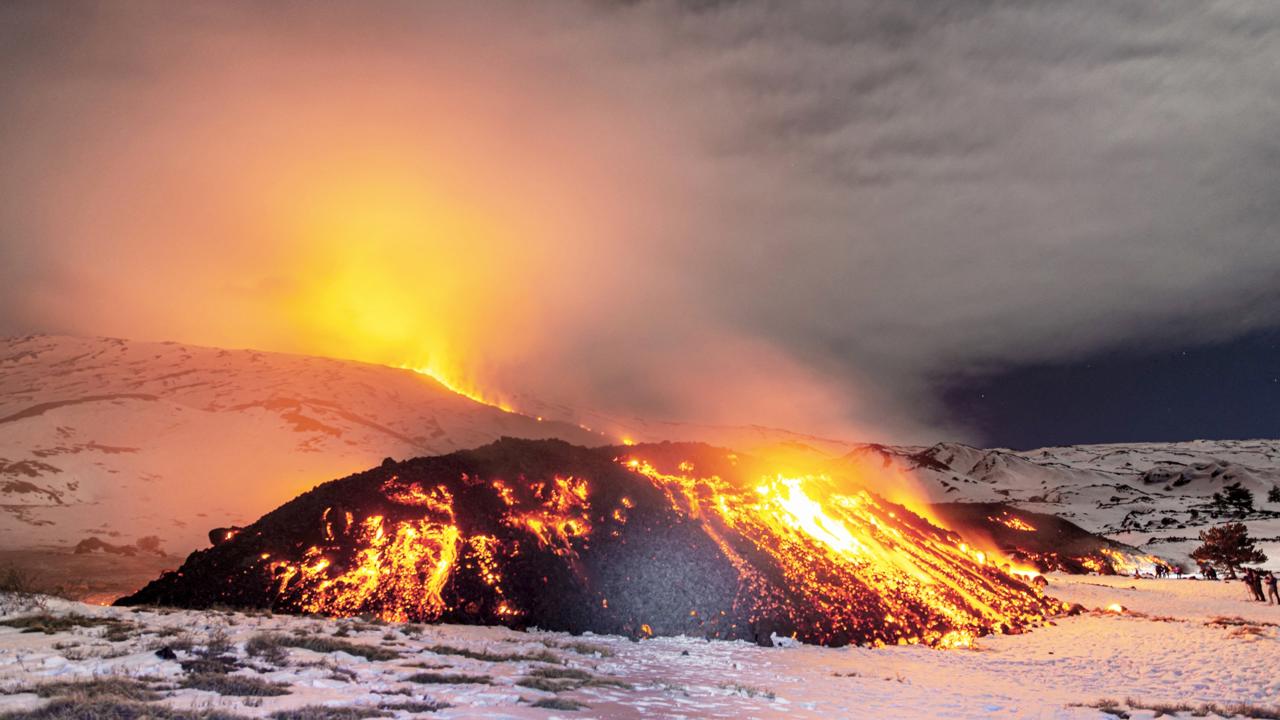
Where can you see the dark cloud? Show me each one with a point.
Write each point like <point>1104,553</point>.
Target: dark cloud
<point>859,197</point>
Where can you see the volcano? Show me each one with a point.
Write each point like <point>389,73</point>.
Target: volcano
<point>661,539</point>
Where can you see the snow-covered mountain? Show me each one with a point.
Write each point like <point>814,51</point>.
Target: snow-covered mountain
<point>1153,495</point>
<point>124,439</point>
<point>121,440</point>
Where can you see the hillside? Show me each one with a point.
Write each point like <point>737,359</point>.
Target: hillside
<point>122,440</point>
<point>1157,496</point>
<point>114,441</point>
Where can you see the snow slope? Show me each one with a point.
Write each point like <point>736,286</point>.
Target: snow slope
<point>121,439</point>
<point>1153,495</point>
<point>1166,648</point>
<point>127,439</point>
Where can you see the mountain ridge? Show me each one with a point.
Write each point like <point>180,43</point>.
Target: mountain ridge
<point>119,439</point>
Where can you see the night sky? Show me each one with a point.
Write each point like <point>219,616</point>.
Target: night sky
<point>1228,390</point>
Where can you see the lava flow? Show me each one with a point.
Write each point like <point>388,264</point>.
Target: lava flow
<point>1032,543</point>
<point>651,539</point>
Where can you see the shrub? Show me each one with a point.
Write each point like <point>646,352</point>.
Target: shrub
<point>322,644</point>
<point>545,656</point>
<point>124,688</point>
<point>1121,710</point>
<point>239,685</point>
<point>320,712</point>
<point>416,706</point>
<point>753,692</point>
<point>548,684</point>
<point>449,679</point>
<point>82,708</point>
<point>560,679</point>
<point>49,624</point>
<point>560,673</point>
<point>218,643</point>
<point>558,703</point>
<point>580,647</point>
<point>268,647</point>
<point>18,590</point>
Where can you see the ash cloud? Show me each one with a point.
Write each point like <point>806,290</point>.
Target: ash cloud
<point>798,214</point>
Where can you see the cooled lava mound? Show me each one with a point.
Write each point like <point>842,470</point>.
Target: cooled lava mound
<point>1046,542</point>
<point>663,539</point>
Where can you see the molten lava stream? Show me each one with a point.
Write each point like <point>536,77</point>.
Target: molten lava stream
<point>526,533</point>
<point>930,587</point>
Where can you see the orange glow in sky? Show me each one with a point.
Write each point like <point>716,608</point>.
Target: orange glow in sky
<point>507,227</point>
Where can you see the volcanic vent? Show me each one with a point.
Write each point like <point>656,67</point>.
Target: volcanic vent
<point>654,539</point>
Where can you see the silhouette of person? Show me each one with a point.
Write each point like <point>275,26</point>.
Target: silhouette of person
<point>1253,581</point>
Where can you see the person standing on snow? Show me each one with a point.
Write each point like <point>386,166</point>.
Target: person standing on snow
<point>1246,577</point>
<point>1253,579</point>
<point>1271,589</point>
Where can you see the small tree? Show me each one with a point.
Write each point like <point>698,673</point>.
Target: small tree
<point>1228,545</point>
<point>1234,497</point>
<point>1273,496</point>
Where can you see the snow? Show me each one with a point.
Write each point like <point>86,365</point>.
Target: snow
<point>119,440</point>
<point>1164,648</point>
<point>1156,496</point>
<point>122,439</point>
<point>125,439</point>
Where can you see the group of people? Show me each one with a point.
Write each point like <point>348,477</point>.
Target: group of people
<point>1256,579</point>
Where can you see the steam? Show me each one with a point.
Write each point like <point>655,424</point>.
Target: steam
<point>796,214</point>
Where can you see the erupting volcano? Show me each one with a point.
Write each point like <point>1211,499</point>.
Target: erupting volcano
<point>646,540</point>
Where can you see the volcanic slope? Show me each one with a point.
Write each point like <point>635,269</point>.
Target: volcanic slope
<point>121,439</point>
<point>662,539</point>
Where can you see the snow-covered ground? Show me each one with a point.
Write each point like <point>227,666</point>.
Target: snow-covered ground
<point>1164,648</point>
<point>120,440</point>
<point>1157,496</point>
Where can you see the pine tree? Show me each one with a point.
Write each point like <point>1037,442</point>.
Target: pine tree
<point>1228,545</point>
<point>1274,495</point>
<point>1234,497</point>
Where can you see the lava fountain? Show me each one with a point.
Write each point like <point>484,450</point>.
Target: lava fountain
<point>662,539</point>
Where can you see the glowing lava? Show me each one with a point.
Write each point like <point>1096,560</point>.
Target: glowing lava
<point>1013,522</point>
<point>930,586</point>
<point>467,390</point>
<point>636,540</point>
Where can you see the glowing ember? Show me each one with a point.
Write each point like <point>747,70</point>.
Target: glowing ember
<point>1013,522</point>
<point>541,533</point>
